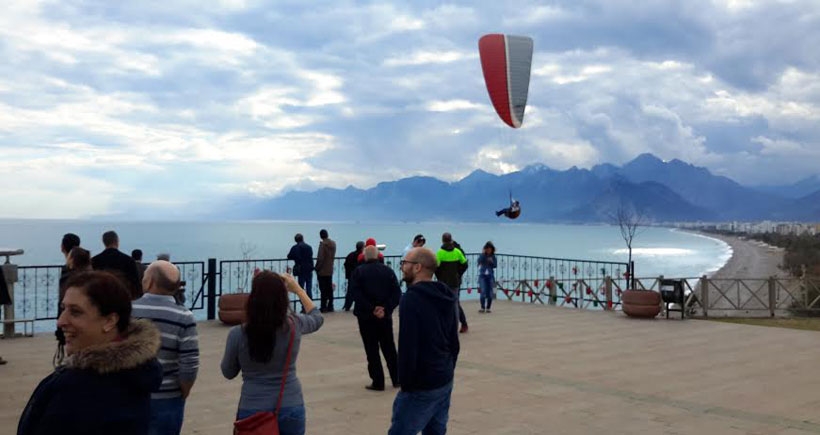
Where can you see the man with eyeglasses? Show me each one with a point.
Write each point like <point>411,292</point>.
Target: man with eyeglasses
<point>428,348</point>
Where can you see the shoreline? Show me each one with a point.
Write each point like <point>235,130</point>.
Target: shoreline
<point>750,259</point>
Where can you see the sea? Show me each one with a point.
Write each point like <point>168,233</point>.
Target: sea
<point>656,250</point>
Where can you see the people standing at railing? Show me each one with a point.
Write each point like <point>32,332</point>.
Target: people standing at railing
<point>428,349</point>
<point>105,385</point>
<point>113,260</point>
<point>451,266</point>
<point>260,347</point>
<point>136,254</point>
<point>370,242</point>
<point>351,261</point>
<point>324,271</point>
<point>302,255</point>
<point>417,242</point>
<point>179,353</point>
<point>5,299</point>
<point>77,261</point>
<point>486,276</point>
<point>70,241</point>
<point>376,291</point>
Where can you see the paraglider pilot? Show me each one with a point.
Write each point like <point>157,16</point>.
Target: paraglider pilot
<point>512,211</point>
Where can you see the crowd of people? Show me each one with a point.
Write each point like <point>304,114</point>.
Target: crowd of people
<point>128,349</point>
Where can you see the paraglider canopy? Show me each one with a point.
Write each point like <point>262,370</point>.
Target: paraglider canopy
<point>506,61</point>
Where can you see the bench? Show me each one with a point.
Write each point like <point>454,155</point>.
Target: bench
<point>27,323</point>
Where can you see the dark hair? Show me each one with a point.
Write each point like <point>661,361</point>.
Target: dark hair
<point>490,245</point>
<point>80,258</point>
<point>106,292</point>
<point>266,311</point>
<point>298,238</point>
<point>359,245</point>
<point>136,254</point>
<point>70,240</point>
<point>419,237</point>
<point>446,238</point>
<point>323,234</point>
<point>110,238</point>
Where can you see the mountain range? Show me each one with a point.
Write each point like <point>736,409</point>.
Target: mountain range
<point>662,191</point>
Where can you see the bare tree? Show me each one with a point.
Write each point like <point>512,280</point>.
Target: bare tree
<point>629,220</point>
<point>244,272</point>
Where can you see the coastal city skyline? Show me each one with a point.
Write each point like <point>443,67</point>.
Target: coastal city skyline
<point>161,108</point>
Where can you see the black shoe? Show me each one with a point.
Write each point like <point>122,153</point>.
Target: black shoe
<point>396,385</point>
<point>372,387</point>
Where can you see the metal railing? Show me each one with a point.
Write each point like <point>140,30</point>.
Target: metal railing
<point>575,283</point>
<point>36,295</point>
<point>37,291</point>
<point>770,296</point>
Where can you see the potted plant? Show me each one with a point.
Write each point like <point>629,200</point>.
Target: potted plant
<point>232,305</point>
<point>634,302</point>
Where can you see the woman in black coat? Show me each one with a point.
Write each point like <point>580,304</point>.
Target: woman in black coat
<point>105,384</point>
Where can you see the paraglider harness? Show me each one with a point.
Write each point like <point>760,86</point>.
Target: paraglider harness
<point>511,212</point>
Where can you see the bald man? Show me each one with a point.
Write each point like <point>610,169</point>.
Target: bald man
<point>428,348</point>
<point>179,352</point>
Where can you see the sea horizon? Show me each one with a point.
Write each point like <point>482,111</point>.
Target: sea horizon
<point>656,250</point>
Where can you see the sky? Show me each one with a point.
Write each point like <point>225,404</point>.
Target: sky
<point>169,108</point>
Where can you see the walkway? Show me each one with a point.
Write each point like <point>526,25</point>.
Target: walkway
<point>528,369</point>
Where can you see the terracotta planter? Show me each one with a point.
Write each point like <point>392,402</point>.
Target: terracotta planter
<point>232,308</point>
<point>641,303</point>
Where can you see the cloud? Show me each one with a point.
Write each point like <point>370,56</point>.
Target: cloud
<point>118,101</point>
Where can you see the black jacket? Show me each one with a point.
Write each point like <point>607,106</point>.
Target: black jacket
<point>101,390</point>
<point>5,297</point>
<point>428,336</point>
<point>302,256</point>
<point>112,260</point>
<point>374,285</point>
<point>351,261</point>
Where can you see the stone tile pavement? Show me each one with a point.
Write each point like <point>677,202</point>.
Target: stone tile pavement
<point>527,369</point>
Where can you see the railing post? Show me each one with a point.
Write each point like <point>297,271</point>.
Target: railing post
<point>704,295</point>
<point>553,291</point>
<point>772,295</point>
<point>211,288</point>
<point>608,292</point>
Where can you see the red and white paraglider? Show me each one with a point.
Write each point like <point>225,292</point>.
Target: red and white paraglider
<point>506,61</point>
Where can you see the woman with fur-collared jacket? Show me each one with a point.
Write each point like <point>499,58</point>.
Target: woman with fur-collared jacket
<point>105,384</point>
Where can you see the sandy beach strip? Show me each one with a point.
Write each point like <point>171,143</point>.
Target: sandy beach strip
<point>750,259</point>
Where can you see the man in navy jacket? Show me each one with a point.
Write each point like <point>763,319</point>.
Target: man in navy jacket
<point>119,263</point>
<point>302,255</point>
<point>428,348</point>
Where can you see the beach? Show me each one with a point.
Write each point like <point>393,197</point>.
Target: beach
<point>750,259</point>
<point>741,287</point>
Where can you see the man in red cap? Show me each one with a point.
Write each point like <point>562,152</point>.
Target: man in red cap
<point>370,242</point>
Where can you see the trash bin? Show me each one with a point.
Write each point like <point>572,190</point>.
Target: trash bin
<point>672,293</point>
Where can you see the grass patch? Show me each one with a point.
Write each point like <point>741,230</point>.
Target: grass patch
<point>804,323</point>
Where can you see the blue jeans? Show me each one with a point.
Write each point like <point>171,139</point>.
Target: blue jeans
<point>421,411</point>
<point>291,418</point>
<point>166,416</point>
<point>485,284</point>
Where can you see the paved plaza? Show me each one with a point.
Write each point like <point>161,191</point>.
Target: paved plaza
<point>526,369</point>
